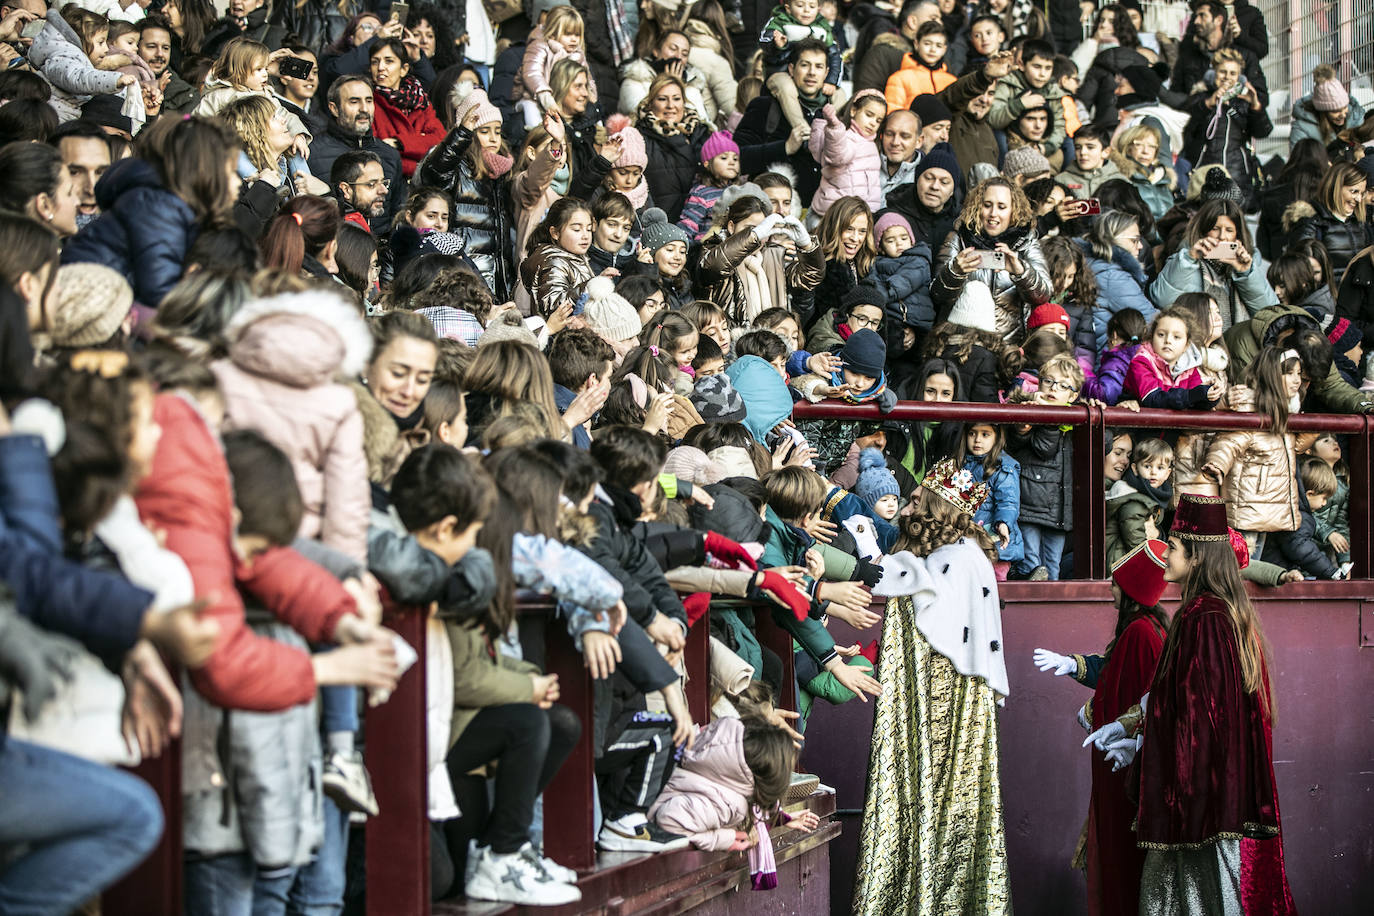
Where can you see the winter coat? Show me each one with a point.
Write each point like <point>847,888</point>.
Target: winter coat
<point>711,62</point>
<point>1355,298</point>
<point>1003,505</point>
<point>1155,383</point>
<point>1088,183</point>
<point>915,78</point>
<point>417,131</point>
<point>179,96</point>
<point>1121,285</point>
<point>1334,518</point>
<point>637,75</point>
<point>1259,479</point>
<point>1240,295</point>
<point>849,164</point>
<point>673,164</point>
<point>1098,88</point>
<point>786,545</point>
<point>1194,65</point>
<point>1046,456</point>
<point>1109,382</point>
<point>481,208</point>
<point>1007,107</point>
<point>979,373</point>
<point>722,257</point>
<point>540,55</point>
<point>905,281</point>
<point>1015,297</point>
<point>57,55</point>
<point>646,592</point>
<point>219,94</point>
<point>1306,123</point>
<point>483,676</point>
<point>1300,549</point>
<point>533,193</point>
<point>1128,510</point>
<point>1224,135</point>
<point>707,796</point>
<point>332,143</point>
<point>187,495</point>
<point>280,380</point>
<point>840,277</point>
<point>597,43</point>
<point>1343,238</point>
<point>973,138</point>
<point>144,231</point>
<point>765,395</point>
<point>762,137</point>
<point>1245,340</point>
<point>886,55</point>
<point>552,274</point>
<point>696,211</point>
<point>926,226</point>
<point>1154,189</point>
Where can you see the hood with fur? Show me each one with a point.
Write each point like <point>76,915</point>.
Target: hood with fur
<point>300,339</point>
<point>1296,212</point>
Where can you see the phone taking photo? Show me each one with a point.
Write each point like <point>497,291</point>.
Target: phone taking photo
<point>400,12</point>
<point>296,68</point>
<point>992,260</point>
<point>1223,250</point>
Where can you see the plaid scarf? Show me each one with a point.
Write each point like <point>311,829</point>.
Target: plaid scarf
<point>622,42</point>
<point>407,97</point>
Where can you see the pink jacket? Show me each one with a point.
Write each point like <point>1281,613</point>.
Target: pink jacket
<point>540,55</point>
<point>1148,371</point>
<point>707,797</point>
<point>849,164</point>
<point>286,355</point>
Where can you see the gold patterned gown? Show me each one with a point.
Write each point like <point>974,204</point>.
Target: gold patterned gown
<point>932,841</point>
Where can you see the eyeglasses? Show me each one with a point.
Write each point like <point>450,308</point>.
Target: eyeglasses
<point>366,28</point>
<point>857,322</point>
<point>1053,384</point>
<point>1134,241</point>
<point>383,183</point>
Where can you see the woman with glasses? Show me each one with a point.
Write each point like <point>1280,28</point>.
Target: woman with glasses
<point>1112,250</point>
<point>404,117</point>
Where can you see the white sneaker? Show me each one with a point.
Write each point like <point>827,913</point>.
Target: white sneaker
<point>346,782</point>
<point>633,833</point>
<point>550,867</point>
<point>513,879</point>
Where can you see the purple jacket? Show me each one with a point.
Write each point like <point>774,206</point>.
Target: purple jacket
<point>1106,386</point>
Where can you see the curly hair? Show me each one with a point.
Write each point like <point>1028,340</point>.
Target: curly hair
<point>971,216</point>
<point>937,522</point>
<point>1059,254</point>
<point>949,336</point>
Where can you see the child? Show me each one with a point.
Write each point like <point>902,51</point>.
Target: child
<point>711,321</point>
<point>626,174</point>
<point>613,219</point>
<point>748,89</point>
<point>241,69</point>
<point>1066,78</point>
<point>560,36</point>
<point>1074,289</point>
<point>921,73</point>
<point>1055,319</point>
<point>863,306</point>
<point>1038,348</point>
<point>766,346</point>
<point>848,154</point>
<point>1032,86</point>
<point>719,169</point>
<point>123,42</point>
<point>877,486</point>
<point>555,271</point>
<point>789,23</point>
<point>1333,519</point>
<point>1092,166</point>
<point>1136,503</point>
<point>708,361</point>
<point>1137,149</point>
<point>1046,456</point>
<point>541,175</point>
<point>987,461</point>
<point>1302,549</point>
<point>664,245</point>
<point>1164,374</point>
<point>68,57</point>
<point>902,273</point>
<point>673,335</point>
<point>446,414</point>
<point>860,378</point>
<point>1125,331</point>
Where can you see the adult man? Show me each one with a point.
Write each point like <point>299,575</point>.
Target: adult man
<point>929,202</point>
<point>899,149</point>
<point>884,55</point>
<point>1208,31</point>
<point>934,117</point>
<point>155,47</point>
<point>765,137</point>
<point>349,128</point>
<point>85,155</point>
<point>360,185</point>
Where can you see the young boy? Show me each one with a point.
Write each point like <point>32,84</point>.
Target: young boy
<point>766,345</point>
<point>581,364</point>
<point>614,220</point>
<point>709,360</point>
<point>791,22</point>
<point>1046,456</point>
<point>1030,129</point>
<point>1136,503</point>
<point>1027,89</point>
<point>922,73</point>
<point>1333,519</point>
<point>862,307</point>
<point>1066,78</point>
<point>1300,549</point>
<point>1092,166</point>
<point>862,376</point>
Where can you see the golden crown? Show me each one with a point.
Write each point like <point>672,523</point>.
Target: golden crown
<point>956,484</point>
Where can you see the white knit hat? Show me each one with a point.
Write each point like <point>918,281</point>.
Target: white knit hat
<point>608,314</point>
<point>975,308</point>
<point>693,465</point>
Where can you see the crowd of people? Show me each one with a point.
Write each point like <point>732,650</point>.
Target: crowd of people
<point>311,308</point>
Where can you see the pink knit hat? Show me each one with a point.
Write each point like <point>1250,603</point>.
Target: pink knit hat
<point>632,150</point>
<point>1330,95</point>
<point>477,101</point>
<point>722,141</point>
<point>887,221</point>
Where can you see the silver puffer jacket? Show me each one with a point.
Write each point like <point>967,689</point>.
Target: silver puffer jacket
<point>548,276</point>
<point>1015,297</point>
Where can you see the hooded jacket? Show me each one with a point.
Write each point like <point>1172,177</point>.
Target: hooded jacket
<point>1224,134</point>
<point>1109,382</point>
<point>1245,340</point>
<point>1007,107</point>
<point>905,280</point>
<point>915,77</point>
<point>1248,291</point>
<point>767,399</point>
<point>707,797</point>
<point>285,355</point>
<point>57,54</point>
<point>1300,549</point>
<point>1306,125</point>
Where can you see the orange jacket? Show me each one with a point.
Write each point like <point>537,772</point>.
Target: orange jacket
<point>914,79</point>
<point>1071,121</point>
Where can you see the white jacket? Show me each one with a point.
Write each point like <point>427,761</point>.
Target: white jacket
<point>638,75</point>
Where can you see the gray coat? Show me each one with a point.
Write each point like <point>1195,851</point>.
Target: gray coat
<point>57,55</point>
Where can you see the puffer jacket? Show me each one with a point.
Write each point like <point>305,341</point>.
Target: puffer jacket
<point>707,797</point>
<point>1259,479</point>
<point>673,164</point>
<point>1245,340</point>
<point>638,74</point>
<point>1121,284</point>
<point>1240,295</point>
<point>1109,382</point>
<point>1306,126</point>
<point>849,161</point>
<point>718,273</point>
<point>1155,189</point>
<point>1046,456</point>
<point>57,55</point>
<point>905,280</point>
<point>533,193</point>
<point>1355,298</point>
<point>913,79</point>
<point>540,55</point>
<point>1007,107</point>
<point>1003,505</point>
<point>1015,297</point>
<point>1343,238</point>
<point>766,396</point>
<point>481,208</point>
<point>708,59</point>
<point>1224,134</point>
<point>550,275</point>
<point>1155,383</point>
<point>1300,548</point>
<point>285,354</point>
<point>144,230</point>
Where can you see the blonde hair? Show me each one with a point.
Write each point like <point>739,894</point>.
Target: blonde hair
<point>251,118</point>
<point>840,215</point>
<point>972,214</point>
<point>1340,176</point>
<point>1228,56</point>
<point>794,492</point>
<point>238,59</point>
<point>511,372</point>
<point>1064,365</point>
<point>563,20</point>
<point>1123,150</point>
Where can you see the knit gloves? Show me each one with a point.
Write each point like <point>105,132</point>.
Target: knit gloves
<point>727,551</point>
<point>778,588</point>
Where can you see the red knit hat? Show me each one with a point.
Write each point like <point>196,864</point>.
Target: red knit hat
<point>1140,573</point>
<point>1200,518</point>
<point>1049,313</point>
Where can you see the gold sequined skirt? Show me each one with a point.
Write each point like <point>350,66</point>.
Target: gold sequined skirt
<point>932,841</point>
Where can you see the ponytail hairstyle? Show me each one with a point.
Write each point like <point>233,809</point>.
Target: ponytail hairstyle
<point>666,331</point>
<point>420,199</point>
<point>303,226</point>
<point>554,222</point>
<point>1129,325</point>
<point>1265,378</point>
<point>193,157</point>
<point>238,59</point>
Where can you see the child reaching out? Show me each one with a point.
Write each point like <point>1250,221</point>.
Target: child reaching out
<point>848,156</point>
<point>791,22</point>
<point>719,170</point>
<point>69,56</point>
<point>987,461</point>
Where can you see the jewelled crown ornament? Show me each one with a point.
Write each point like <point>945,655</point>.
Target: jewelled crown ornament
<point>956,485</point>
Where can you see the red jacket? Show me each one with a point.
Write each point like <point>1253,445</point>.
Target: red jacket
<point>187,494</point>
<point>416,131</point>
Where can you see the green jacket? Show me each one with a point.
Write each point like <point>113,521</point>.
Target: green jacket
<point>1007,107</point>
<point>824,686</point>
<point>479,680</point>
<point>1245,340</point>
<point>787,546</point>
<point>1127,512</point>
<point>1334,517</point>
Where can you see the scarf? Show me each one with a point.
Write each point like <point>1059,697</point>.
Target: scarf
<point>647,119</point>
<point>622,40</point>
<point>753,284</point>
<point>843,329</point>
<point>1020,18</point>
<point>763,868</point>
<point>1011,237</point>
<point>837,379</point>
<point>639,195</point>
<point>561,179</point>
<point>408,97</point>
<point>497,164</point>
<point>1161,495</point>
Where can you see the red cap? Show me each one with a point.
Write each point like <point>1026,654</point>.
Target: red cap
<point>1140,573</point>
<point>1200,518</point>
<point>1049,313</point>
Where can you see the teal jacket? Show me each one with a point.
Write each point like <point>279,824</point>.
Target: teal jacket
<point>786,545</point>
<point>767,399</point>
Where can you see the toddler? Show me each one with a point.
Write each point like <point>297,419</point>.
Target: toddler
<point>986,460</point>
<point>1164,373</point>
<point>1302,549</point>
<point>75,75</point>
<point>1125,331</point>
<point>1333,519</point>
<point>1136,503</point>
<point>847,153</point>
<point>877,487</point>
<point>719,169</point>
<point>123,54</point>
<point>560,36</point>
<point>1046,456</point>
<point>902,272</point>
<point>791,22</point>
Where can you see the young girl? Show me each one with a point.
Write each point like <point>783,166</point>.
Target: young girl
<point>429,210</point>
<point>241,70</point>
<point>1138,156</point>
<point>1074,289</point>
<point>1040,347</point>
<point>1295,283</point>
<point>848,156</point>
<point>69,54</point>
<point>542,174</point>
<point>124,57</point>
<point>1164,372</point>
<point>742,266</point>
<point>674,335</point>
<point>561,36</point>
<point>555,270</point>
<point>664,245</point>
<point>1125,331</point>
<point>711,321</point>
<point>719,170</point>
<point>986,460</point>
<point>628,158</point>
<point>1046,456</point>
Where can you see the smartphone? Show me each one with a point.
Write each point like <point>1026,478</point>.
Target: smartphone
<point>400,12</point>
<point>32,29</point>
<point>992,260</point>
<point>297,68</point>
<point>1224,250</point>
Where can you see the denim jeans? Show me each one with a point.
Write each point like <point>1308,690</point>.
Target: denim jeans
<point>1044,547</point>
<point>318,888</point>
<point>338,710</point>
<point>82,827</point>
<point>232,885</point>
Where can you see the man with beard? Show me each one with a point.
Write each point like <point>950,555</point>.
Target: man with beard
<point>360,186</point>
<point>85,156</point>
<point>1209,31</point>
<point>899,150</point>
<point>970,99</point>
<point>765,137</point>
<point>929,203</point>
<point>155,47</point>
<point>349,129</point>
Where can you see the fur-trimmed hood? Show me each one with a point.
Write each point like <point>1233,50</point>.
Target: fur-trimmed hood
<point>786,171</point>
<point>1296,212</point>
<point>300,339</point>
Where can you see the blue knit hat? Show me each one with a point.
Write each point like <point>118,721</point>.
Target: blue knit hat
<point>875,480</point>
<point>865,353</point>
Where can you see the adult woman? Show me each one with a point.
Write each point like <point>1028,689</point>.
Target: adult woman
<point>932,839</point>
<point>28,268</point>
<point>1216,258</point>
<point>1338,221</point>
<point>744,272</point>
<point>1297,180</point>
<point>34,182</point>
<point>355,256</point>
<point>404,118</point>
<point>301,239</point>
<point>570,83</point>
<point>996,218</point>
<point>1112,249</point>
<point>712,55</point>
<point>1326,112</point>
<point>669,57</point>
<point>398,375</point>
<point>1355,299</point>
<point>506,376</point>
<point>190,20</point>
<point>351,52</point>
<point>846,238</point>
<point>434,35</point>
<point>1223,119</point>
<point>673,137</point>
<point>1118,456</point>
<point>1113,46</point>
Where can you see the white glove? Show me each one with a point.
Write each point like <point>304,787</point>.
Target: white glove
<point>1083,719</point>
<point>1112,731</point>
<point>797,230</point>
<point>1121,753</point>
<point>1061,665</point>
<point>764,230</point>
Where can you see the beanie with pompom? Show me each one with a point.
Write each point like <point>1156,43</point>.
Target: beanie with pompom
<point>875,480</point>
<point>1327,92</point>
<point>658,231</point>
<point>632,150</point>
<point>607,314</point>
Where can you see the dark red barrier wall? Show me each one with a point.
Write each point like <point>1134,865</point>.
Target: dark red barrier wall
<point>1323,744</point>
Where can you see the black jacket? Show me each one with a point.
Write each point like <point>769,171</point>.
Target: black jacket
<point>927,226</point>
<point>762,137</point>
<point>1355,298</point>
<point>647,593</point>
<point>1343,238</point>
<point>673,165</point>
<point>1195,61</point>
<point>1098,90</point>
<point>1226,139</point>
<point>1299,549</point>
<point>1046,456</point>
<point>333,142</point>
<point>482,208</point>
